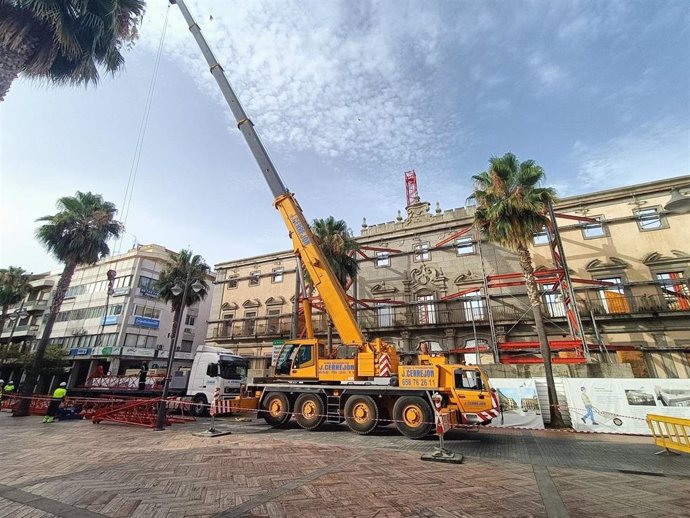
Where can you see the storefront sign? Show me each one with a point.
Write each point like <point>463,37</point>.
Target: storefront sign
<point>148,292</point>
<point>147,322</point>
<point>110,320</point>
<point>118,292</point>
<point>102,351</point>
<point>138,351</point>
<point>83,351</point>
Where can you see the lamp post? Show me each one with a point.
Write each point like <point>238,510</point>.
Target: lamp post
<point>176,291</point>
<point>111,277</point>
<point>15,316</point>
<point>678,204</point>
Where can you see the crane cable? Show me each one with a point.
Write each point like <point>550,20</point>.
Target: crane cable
<point>129,190</point>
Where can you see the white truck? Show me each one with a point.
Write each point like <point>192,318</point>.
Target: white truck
<point>212,367</point>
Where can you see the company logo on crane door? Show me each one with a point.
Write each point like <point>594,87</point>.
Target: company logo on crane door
<point>418,373</point>
<point>328,368</point>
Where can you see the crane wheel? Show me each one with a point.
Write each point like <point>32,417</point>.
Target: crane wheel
<point>309,411</point>
<point>275,409</point>
<point>361,414</point>
<point>413,417</point>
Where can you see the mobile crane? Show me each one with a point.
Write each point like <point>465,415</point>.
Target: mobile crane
<point>363,382</point>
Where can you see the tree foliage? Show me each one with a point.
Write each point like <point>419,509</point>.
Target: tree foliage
<point>65,41</point>
<point>14,285</point>
<point>336,242</point>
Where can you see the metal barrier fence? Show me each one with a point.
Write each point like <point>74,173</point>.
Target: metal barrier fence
<point>671,433</point>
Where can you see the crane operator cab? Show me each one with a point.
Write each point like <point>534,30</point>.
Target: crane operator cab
<point>299,359</point>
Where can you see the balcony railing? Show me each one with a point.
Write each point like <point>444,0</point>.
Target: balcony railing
<point>459,313</point>
<point>625,304</point>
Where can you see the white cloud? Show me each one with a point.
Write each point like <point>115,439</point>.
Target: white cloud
<point>548,73</point>
<point>321,77</point>
<point>652,151</point>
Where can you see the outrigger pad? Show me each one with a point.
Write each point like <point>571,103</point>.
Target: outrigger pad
<point>444,456</point>
<point>209,433</point>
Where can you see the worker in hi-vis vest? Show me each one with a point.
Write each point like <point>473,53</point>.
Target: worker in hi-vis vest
<point>58,396</point>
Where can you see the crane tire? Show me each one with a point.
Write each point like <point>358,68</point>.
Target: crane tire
<point>275,409</point>
<point>309,411</point>
<point>361,414</point>
<point>413,417</point>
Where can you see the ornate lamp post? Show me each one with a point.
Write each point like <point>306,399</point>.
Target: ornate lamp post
<point>176,290</point>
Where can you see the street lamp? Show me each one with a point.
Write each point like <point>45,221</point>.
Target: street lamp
<point>678,204</point>
<point>15,316</point>
<point>176,291</point>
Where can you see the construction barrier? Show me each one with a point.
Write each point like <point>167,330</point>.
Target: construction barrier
<point>670,433</point>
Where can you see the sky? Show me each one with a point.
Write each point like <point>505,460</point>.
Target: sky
<point>346,96</point>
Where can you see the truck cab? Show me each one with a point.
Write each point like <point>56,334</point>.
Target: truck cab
<point>216,369</point>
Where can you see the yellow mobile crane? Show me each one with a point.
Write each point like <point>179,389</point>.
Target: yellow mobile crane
<point>363,382</point>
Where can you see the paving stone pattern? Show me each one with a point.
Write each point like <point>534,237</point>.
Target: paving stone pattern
<point>78,470</point>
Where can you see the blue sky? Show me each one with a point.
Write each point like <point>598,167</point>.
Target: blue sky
<point>347,96</point>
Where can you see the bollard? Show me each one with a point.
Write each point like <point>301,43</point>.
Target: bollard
<point>440,453</point>
<point>212,432</point>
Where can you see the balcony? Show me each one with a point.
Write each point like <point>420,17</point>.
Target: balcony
<point>638,305</point>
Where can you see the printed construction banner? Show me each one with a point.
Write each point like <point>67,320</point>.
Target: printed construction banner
<point>520,403</point>
<point>608,405</point>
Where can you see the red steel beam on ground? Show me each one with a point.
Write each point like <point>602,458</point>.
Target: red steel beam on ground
<point>459,233</point>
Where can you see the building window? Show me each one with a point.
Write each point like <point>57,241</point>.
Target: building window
<point>464,246</point>
<point>554,304</point>
<point>232,282</point>
<point>189,320</point>
<point>147,287</point>
<point>612,297</point>
<point>594,230</point>
<point>186,346</point>
<point>254,278</point>
<point>384,314</point>
<point>383,259</point>
<point>273,321</point>
<point>149,312</point>
<point>249,323</point>
<point>476,347</point>
<point>277,275</point>
<point>227,324</point>
<point>473,307</point>
<point>541,238</point>
<point>674,287</point>
<point>143,341</point>
<point>421,252</point>
<point>427,312</point>
<point>650,219</point>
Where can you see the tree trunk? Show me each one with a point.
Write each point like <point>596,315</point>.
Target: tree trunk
<point>533,294</point>
<point>12,63</point>
<point>3,318</point>
<point>32,374</point>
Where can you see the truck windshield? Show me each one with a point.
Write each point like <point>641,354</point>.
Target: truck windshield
<point>232,371</point>
<point>284,363</point>
<point>468,380</point>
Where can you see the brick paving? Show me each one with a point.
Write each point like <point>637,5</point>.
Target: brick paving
<point>76,469</point>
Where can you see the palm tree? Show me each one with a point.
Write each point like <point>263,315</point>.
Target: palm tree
<point>64,41</point>
<point>14,285</point>
<point>511,208</point>
<point>336,242</point>
<point>182,268</point>
<point>76,235</point>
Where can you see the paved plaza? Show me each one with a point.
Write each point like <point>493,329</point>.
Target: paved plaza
<point>77,469</point>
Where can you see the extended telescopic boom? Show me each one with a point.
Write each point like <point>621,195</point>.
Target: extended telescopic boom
<point>320,272</point>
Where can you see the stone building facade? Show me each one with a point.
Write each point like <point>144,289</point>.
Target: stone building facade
<point>422,279</point>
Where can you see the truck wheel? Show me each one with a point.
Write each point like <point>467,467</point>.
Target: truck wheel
<point>361,414</point>
<point>197,409</point>
<point>309,411</point>
<point>275,409</point>
<point>413,417</point>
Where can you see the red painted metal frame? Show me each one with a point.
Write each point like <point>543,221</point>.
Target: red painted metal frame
<point>557,360</point>
<point>460,293</point>
<point>459,233</point>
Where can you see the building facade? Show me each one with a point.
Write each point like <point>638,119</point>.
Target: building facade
<point>119,328</point>
<point>427,278</point>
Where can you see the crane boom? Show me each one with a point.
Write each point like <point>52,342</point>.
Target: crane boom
<point>304,245</point>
